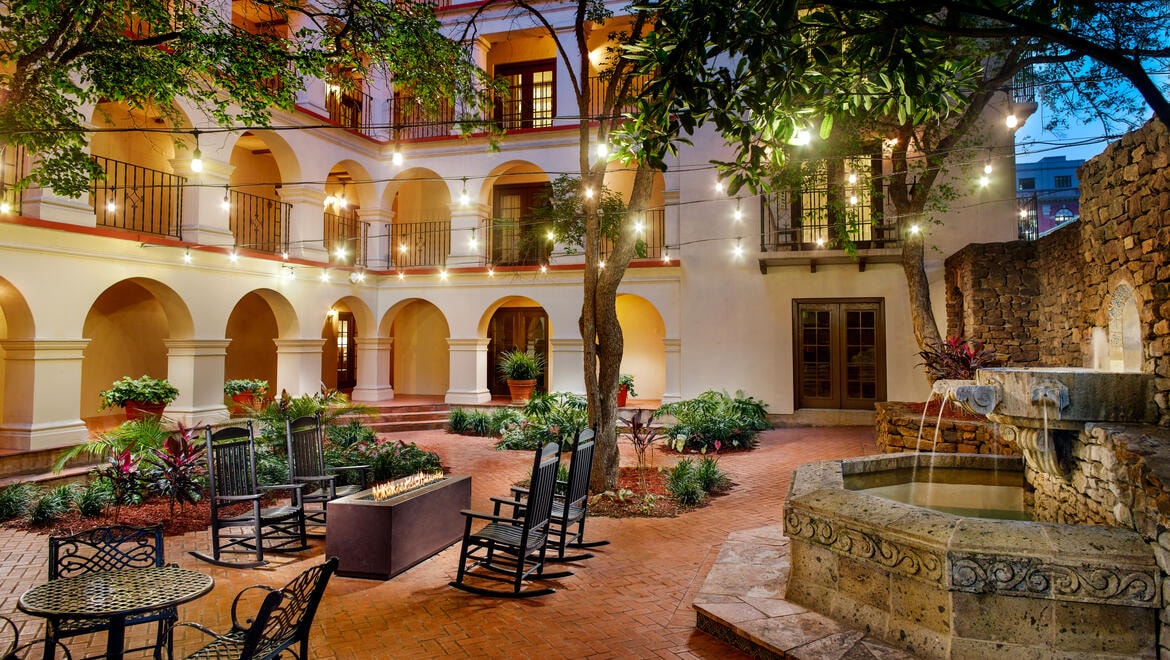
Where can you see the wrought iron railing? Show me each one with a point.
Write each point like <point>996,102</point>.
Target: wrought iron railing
<point>351,108</point>
<point>259,223</point>
<point>513,242</point>
<point>811,226</point>
<point>15,168</point>
<point>597,92</point>
<point>411,121</point>
<point>138,198</point>
<point>420,244</point>
<point>650,235</point>
<point>345,238</point>
<point>1028,223</point>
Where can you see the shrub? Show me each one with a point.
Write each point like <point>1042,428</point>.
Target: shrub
<point>500,418</point>
<point>252,386</point>
<point>52,504</point>
<point>458,421</point>
<point>332,404</point>
<point>710,476</point>
<point>349,434</point>
<point>683,483</point>
<point>955,359</point>
<point>556,417</point>
<point>271,466</point>
<point>92,501</point>
<point>391,460</point>
<point>519,365</point>
<point>178,468</point>
<point>715,417</point>
<point>144,389</point>
<point>16,499</point>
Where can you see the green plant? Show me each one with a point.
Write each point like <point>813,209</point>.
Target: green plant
<point>330,403</point>
<point>500,418</point>
<point>714,417</point>
<point>349,434</point>
<point>628,381</point>
<point>138,436</point>
<point>178,468</point>
<point>391,460</point>
<point>16,499</point>
<point>519,365</point>
<point>92,500</point>
<point>955,359</point>
<point>144,389</point>
<point>52,504</point>
<point>458,420</point>
<point>253,386</point>
<point>556,417</point>
<point>122,478</point>
<point>271,465</point>
<point>683,483</point>
<point>710,476</point>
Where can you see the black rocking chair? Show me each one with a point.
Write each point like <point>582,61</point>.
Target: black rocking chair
<point>231,479</point>
<point>107,549</point>
<point>569,508</point>
<point>284,620</point>
<point>306,464</point>
<point>512,549</point>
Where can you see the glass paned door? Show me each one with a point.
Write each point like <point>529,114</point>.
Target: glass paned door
<point>516,328</point>
<point>840,359</point>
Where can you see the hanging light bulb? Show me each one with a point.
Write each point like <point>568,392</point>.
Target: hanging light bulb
<point>464,198</point>
<point>552,237</point>
<point>738,251</point>
<point>588,192</point>
<point>852,178</point>
<point>737,214</point>
<point>443,274</point>
<point>472,242</point>
<point>340,252</point>
<point>638,227</point>
<point>197,155</point>
<point>800,138</point>
<point>324,276</point>
<point>187,256</point>
<point>402,248</point>
<point>602,150</point>
<point>234,256</point>
<point>341,201</point>
<point>853,200</point>
<point>601,264</point>
<point>111,205</point>
<point>1011,120</point>
<point>665,256</point>
<point>491,271</point>
<point>984,181</point>
<point>5,207</point>
<point>820,241</point>
<point>543,268</point>
<point>401,275</point>
<point>719,186</point>
<point>357,277</point>
<point>396,158</point>
<point>914,229</point>
<point>987,168</point>
<point>1023,214</point>
<point>284,255</point>
<point>226,204</point>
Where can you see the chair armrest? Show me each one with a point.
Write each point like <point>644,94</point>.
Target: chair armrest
<point>200,627</point>
<point>348,468</point>
<point>517,505</point>
<point>518,490</point>
<point>487,516</point>
<point>308,480</point>
<point>236,603</point>
<point>297,487</point>
<point>238,498</point>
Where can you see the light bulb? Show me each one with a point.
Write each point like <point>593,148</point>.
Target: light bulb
<point>401,275</point>
<point>820,241</point>
<point>402,248</point>
<point>324,276</point>
<point>197,160</point>
<point>1011,120</point>
<point>5,207</point>
<point>443,274</point>
<point>491,272</point>
<point>602,150</point>
<point>853,199</point>
<point>601,264</point>
<point>589,193</point>
<point>464,198</point>
<point>914,229</point>
<point>718,186</point>
<point>111,206</point>
<point>1023,214</point>
<point>665,256</point>
<point>357,277</point>
<point>638,226</point>
<point>397,158</point>
<point>543,268</point>
<point>187,257</point>
<point>987,168</point>
<point>340,252</point>
<point>853,177</point>
<point>226,204</point>
<point>551,236</point>
<point>737,214</point>
<point>472,241</point>
<point>738,251</point>
<point>800,138</point>
<point>341,203</point>
<point>984,181</point>
<point>284,255</point>
<point>234,256</point>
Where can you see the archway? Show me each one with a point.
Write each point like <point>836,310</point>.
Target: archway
<point>644,357</point>
<point>420,362</point>
<point>16,323</point>
<point>421,230</point>
<point>258,218</point>
<point>1125,330</point>
<point>346,322</point>
<point>516,323</point>
<point>515,237</point>
<point>252,327</point>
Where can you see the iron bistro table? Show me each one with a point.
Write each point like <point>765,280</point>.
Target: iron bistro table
<point>114,595</point>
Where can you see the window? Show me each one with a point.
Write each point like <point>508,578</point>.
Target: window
<point>529,102</point>
<point>516,239</point>
<point>1063,181</point>
<point>1064,215</point>
<point>840,356</point>
<point>1028,183</point>
<point>827,200</point>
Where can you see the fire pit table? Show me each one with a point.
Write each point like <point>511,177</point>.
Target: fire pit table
<point>378,537</point>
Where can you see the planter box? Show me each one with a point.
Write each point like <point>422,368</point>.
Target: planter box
<point>380,539</point>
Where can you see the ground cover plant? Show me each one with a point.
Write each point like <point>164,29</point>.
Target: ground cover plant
<point>556,417</point>
<point>479,422</point>
<point>714,420</point>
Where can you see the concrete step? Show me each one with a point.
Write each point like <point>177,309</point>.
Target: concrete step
<point>415,425</point>
<point>418,417</point>
<point>37,466</point>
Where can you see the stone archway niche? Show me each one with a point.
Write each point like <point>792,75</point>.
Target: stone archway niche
<point>1118,347</point>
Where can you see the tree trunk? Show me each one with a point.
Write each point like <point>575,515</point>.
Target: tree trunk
<point>921,312</point>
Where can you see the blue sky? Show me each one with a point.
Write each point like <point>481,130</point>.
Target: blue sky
<point>1079,141</point>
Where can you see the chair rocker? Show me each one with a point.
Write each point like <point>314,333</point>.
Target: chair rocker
<point>569,508</point>
<point>306,464</point>
<point>511,549</point>
<point>283,622</point>
<point>231,479</point>
<point>109,549</point>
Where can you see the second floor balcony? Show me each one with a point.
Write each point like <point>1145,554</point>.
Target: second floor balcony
<point>137,198</point>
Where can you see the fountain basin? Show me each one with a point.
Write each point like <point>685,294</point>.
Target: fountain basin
<point>1067,397</point>
<point>942,585</point>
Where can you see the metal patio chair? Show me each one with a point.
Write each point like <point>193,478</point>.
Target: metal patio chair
<point>12,649</point>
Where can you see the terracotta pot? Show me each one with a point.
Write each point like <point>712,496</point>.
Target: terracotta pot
<point>521,390</point>
<point>245,400</point>
<point>623,392</point>
<point>139,409</point>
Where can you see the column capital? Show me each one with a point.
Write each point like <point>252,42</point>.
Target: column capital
<point>299,345</point>
<point>32,349</point>
<point>374,343</point>
<point>468,344</point>
<point>196,347</point>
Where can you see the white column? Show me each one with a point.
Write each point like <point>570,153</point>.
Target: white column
<point>379,221</point>
<point>307,225</point>
<point>566,371</point>
<point>673,359</point>
<point>42,393</point>
<point>373,369</point>
<point>204,219</point>
<point>45,204</point>
<point>298,366</point>
<point>468,375</point>
<point>195,366</point>
<point>566,98</point>
<point>467,221</point>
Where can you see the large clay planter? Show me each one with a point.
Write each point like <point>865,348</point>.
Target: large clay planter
<point>521,390</point>
<point>139,409</point>
<point>245,401</point>
<point>623,392</point>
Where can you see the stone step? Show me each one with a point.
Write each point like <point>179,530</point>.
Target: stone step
<point>408,425</point>
<point>37,466</point>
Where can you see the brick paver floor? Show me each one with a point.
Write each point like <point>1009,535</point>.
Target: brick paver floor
<point>633,600</point>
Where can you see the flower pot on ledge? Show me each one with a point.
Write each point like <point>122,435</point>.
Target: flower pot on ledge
<point>244,401</point>
<point>623,393</point>
<point>139,409</point>
<point>521,390</point>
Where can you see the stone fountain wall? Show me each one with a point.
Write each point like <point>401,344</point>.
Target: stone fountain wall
<point>1038,303</point>
<point>897,427</point>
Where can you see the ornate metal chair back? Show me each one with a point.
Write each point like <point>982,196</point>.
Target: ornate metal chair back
<point>293,619</point>
<point>105,549</point>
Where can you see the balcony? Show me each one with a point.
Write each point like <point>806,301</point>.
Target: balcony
<point>794,234</point>
<point>517,242</point>
<point>138,199</point>
<point>259,223</point>
<point>352,109</point>
<point>345,238</point>
<point>420,243</point>
<point>651,235</point>
<point>597,88</point>
<point>411,121</point>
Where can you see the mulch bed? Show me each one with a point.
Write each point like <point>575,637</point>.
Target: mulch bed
<point>633,506</point>
<point>189,518</point>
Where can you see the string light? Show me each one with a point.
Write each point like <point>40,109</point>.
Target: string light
<point>602,150</point>
<point>112,205</point>
<point>601,264</point>
<point>1011,120</point>
<point>341,201</point>
<point>852,178</point>
<point>491,271</point>
<point>719,186</point>
<point>234,256</point>
<point>589,192</point>
<point>820,241</point>
<point>853,200</point>
<point>738,213</point>
<point>284,255</point>
<point>738,251</point>
<point>800,138</point>
<point>443,274</point>
<point>552,237</point>
<point>914,229</point>
<point>472,241</point>
<point>226,204</point>
<point>357,277</point>
<point>987,168</point>
<point>665,256</point>
<point>464,198</point>
<point>187,256</point>
<point>543,268</point>
<point>324,275</point>
<point>984,181</point>
<point>1023,214</point>
<point>638,227</point>
<point>402,248</point>
<point>401,275</point>
<point>5,207</point>
<point>197,155</point>
<point>340,252</point>
<point>396,158</point>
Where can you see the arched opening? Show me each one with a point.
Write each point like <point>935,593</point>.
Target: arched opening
<point>1125,330</point>
<point>420,361</point>
<point>347,187</point>
<point>16,390</point>
<point>644,357</point>
<point>516,237</point>
<point>258,219</point>
<point>252,327</point>
<point>421,230</point>
<point>517,324</point>
<point>346,322</point>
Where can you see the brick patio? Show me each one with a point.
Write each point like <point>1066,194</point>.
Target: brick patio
<point>633,600</point>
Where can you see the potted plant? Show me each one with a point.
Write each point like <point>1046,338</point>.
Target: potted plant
<point>247,392</point>
<point>625,389</point>
<point>520,369</point>
<point>139,396</point>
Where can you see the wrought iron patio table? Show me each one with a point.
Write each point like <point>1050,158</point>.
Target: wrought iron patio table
<point>114,595</point>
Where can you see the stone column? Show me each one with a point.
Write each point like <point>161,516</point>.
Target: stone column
<point>566,371</point>
<point>204,219</point>
<point>673,384</point>
<point>468,373</point>
<point>378,240</point>
<point>298,366</point>
<point>373,369</point>
<point>467,221</point>
<point>195,366</point>
<point>307,225</point>
<point>42,393</point>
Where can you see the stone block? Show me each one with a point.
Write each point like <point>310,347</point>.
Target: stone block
<point>921,605</point>
<point>863,583</point>
<point>1089,627</point>
<point>1008,619</point>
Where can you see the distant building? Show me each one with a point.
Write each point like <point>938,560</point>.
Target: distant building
<point>1049,194</point>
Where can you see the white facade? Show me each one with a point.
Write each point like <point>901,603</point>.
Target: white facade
<point>84,302</point>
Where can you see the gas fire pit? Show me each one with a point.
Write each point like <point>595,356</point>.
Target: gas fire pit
<point>380,536</point>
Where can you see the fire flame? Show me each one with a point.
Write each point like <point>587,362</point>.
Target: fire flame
<point>388,489</point>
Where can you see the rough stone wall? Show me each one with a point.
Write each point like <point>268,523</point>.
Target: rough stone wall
<point>897,431</point>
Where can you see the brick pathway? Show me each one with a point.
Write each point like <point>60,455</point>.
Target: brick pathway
<point>633,600</point>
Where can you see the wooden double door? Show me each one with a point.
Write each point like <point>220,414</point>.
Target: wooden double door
<point>839,357</point>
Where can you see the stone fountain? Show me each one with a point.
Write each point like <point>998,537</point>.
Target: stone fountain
<point>947,586</point>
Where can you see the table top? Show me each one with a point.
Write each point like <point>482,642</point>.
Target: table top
<point>116,593</point>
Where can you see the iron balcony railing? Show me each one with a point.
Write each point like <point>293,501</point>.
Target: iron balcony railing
<point>351,108</point>
<point>651,236</point>
<point>411,121</point>
<point>597,92</point>
<point>138,198</point>
<point>345,238</point>
<point>811,226</point>
<point>259,223</point>
<point>423,243</point>
<point>517,242</point>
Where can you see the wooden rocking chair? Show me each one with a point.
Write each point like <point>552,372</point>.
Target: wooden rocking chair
<point>231,478</point>
<point>306,464</point>
<point>569,508</point>
<point>512,549</point>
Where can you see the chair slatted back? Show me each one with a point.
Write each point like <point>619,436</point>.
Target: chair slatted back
<point>231,461</point>
<point>306,455</point>
<point>105,549</point>
<point>541,486</point>
<point>579,469</point>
